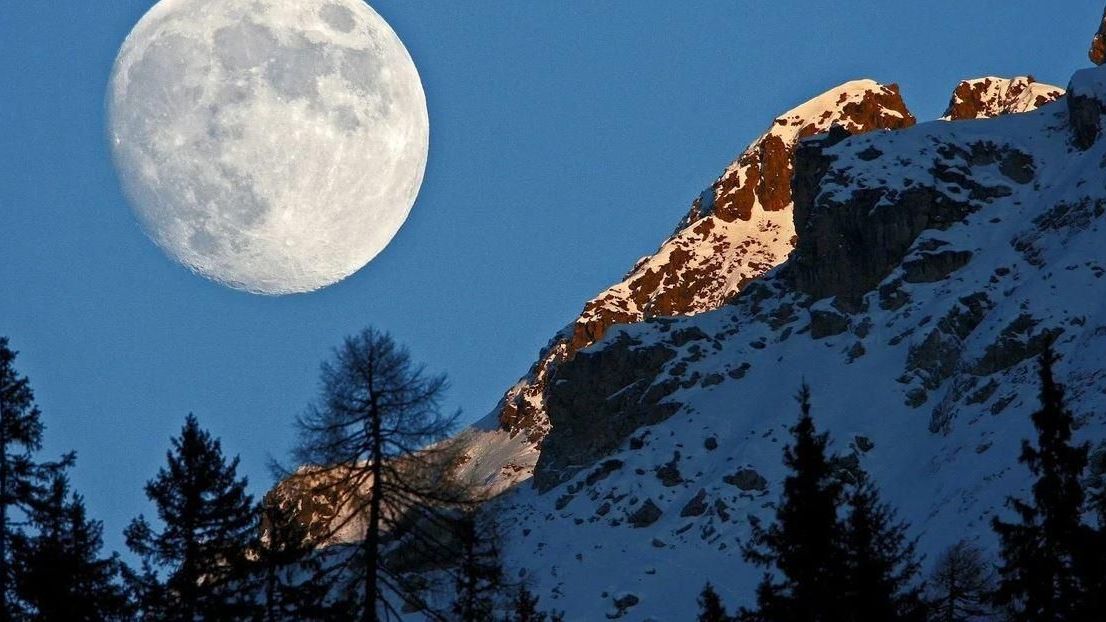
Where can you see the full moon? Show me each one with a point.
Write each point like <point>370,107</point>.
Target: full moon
<point>273,146</point>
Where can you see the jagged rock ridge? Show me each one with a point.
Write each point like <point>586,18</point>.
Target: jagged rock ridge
<point>983,98</point>
<point>735,231</point>
<point>931,266</point>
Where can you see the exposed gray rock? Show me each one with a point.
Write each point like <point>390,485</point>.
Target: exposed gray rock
<point>669,472</point>
<point>603,471</point>
<point>1085,117</point>
<point>932,267</point>
<point>697,506</point>
<point>892,297</point>
<point>747,479</point>
<point>1097,53</point>
<point>712,379</point>
<point>846,248</point>
<point>622,606</point>
<point>645,515</point>
<point>1017,342</point>
<point>825,323</point>
<point>597,400</point>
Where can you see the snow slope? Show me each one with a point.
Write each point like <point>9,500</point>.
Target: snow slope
<point>930,266</point>
<point>736,230</point>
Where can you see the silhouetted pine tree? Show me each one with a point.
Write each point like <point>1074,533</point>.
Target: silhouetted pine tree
<point>711,608</point>
<point>881,564</point>
<point>1046,564</point>
<point>479,573</point>
<point>22,480</point>
<point>961,585</point>
<point>372,439</point>
<point>525,607</point>
<point>288,573</point>
<point>208,521</point>
<point>803,546</point>
<point>60,573</point>
<point>1095,573</point>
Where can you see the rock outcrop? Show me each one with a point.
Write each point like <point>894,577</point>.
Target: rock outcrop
<point>736,230</point>
<point>932,264</point>
<point>1086,105</point>
<point>848,243</point>
<point>988,97</point>
<point>1097,52</point>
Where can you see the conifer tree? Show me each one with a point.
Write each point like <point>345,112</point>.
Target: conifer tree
<point>961,585</point>
<point>881,564</point>
<point>207,520</point>
<point>373,440</point>
<point>1047,567</point>
<point>61,575</point>
<point>525,607</point>
<point>711,608</point>
<point>22,479</point>
<point>288,572</point>
<point>479,575</point>
<point>801,551</point>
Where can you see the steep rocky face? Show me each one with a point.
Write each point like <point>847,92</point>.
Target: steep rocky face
<point>1098,43</point>
<point>932,265</point>
<point>736,230</point>
<point>983,98</point>
<point>1086,107</point>
<point>850,243</point>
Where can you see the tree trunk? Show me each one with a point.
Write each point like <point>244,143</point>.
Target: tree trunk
<point>372,534</point>
<point>5,611</point>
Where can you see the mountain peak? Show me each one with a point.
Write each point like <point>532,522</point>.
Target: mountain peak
<point>1098,43</point>
<point>993,96</point>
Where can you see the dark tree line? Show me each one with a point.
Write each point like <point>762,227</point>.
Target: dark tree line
<point>407,536</point>
<point>51,567</point>
<point>836,553</point>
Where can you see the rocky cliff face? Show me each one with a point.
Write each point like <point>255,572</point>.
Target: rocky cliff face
<point>909,276</point>
<point>983,98</point>
<point>931,265</point>
<point>735,231</point>
<point>1097,52</point>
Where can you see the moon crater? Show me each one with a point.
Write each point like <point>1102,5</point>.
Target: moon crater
<point>274,146</point>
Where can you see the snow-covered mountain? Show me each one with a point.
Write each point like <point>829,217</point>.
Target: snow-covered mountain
<point>930,265</point>
<point>736,230</point>
<point>908,273</point>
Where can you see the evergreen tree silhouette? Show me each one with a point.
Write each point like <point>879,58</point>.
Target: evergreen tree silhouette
<point>479,575</point>
<point>61,575</point>
<point>961,585</point>
<point>207,520</point>
<point>373,441</point>
<point>1047,567</point>
<point>801,551</point>
<point>881,563</point>
<point>288,571</point>
<point>525,607</point>
<point>711,608</point>
<point>23,481</point>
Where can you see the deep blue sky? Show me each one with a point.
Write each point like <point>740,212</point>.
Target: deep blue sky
<point>567,139</point>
